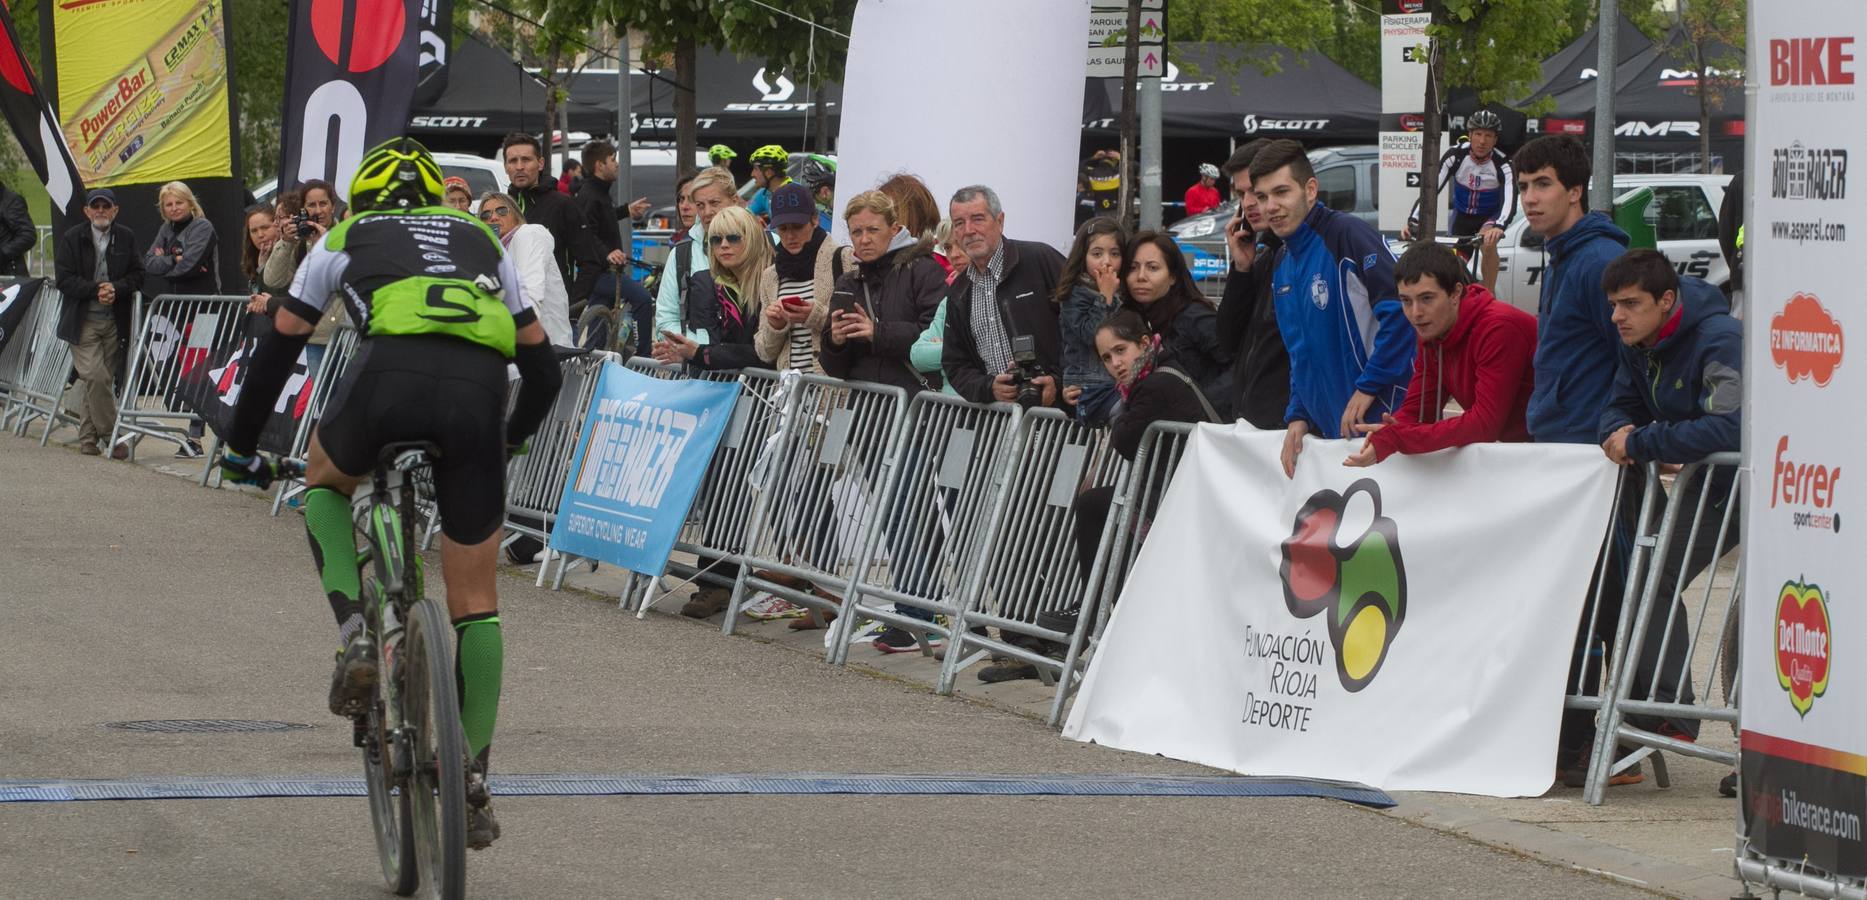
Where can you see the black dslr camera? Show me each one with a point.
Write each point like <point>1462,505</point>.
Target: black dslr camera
<point>301,224</point>
<point>1025,370</point>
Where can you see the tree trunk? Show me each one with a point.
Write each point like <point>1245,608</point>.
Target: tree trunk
<point>822,123</point>
<point>1130,123</point>
<point>686,80</point>
<point>554,55</point>
<point>1429,143</point>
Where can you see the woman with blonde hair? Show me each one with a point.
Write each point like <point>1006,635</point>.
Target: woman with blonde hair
<point>184,253</point>
<point>533,252</point>
<point>724,302</point>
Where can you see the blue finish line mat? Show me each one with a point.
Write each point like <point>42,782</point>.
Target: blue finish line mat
<point>27,790</point>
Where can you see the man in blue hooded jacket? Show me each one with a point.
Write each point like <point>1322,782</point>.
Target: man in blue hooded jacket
<point>1351,347</point>
<point>1678,395</point>
<point>1576,343</point>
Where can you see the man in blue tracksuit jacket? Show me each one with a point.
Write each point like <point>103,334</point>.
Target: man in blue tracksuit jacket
<point>1351,348</point>
<point>1576,343</point>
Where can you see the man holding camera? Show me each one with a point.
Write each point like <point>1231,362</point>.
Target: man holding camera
<point>1003,342</point>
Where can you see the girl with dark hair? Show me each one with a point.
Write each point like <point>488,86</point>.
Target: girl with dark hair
<point>259,236</point>
<point>1088,290</point>
<point>1161,290</point>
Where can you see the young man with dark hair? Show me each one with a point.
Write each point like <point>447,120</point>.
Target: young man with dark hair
<point>541,203</point>
<point>1472,349</point>
<point>1576,344</point>
<point>603,282</point>
<point>1248,312</point>
<point>1678,395</point>
<point>1337,308</point>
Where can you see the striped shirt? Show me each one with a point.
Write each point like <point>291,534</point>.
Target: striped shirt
<point>798,354</point>
<point>988,331</point>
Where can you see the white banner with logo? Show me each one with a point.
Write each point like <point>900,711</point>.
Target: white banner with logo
<point>1803,766</point>
<point>1407,626</point>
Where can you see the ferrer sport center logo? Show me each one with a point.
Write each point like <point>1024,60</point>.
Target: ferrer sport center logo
<point>1803,643</point>
<point>1342,561</point>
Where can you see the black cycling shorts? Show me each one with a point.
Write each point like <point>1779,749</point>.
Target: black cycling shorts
<point>1466,225</point>
<point>428,388</point>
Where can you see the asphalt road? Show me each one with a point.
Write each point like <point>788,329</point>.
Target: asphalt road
<point>126,594</point>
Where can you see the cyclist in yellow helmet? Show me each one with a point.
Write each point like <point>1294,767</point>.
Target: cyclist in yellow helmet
<point>441,313</point>
<point>768,172</point>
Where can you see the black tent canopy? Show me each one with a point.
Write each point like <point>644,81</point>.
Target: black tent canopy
<point>489,95</point>
<point>737,98</point>
<point>1311,99</point>
<point>1571,67</point>
<point>1656,97</point>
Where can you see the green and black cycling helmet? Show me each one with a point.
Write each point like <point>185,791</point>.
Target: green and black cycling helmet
<point>770,155</point>
<point>1485,119</point>
<point>719,153</point>
<point>817,172</point>
<point>398,173</point>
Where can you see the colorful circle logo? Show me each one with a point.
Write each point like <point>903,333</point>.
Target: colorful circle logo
<point>1342,560</point>
<point>373,27</point>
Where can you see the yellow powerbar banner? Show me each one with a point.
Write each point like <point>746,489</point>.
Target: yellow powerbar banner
<point>142,89</point>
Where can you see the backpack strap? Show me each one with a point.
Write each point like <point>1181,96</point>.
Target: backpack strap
<point>683,273</point>
<point>1212,415</point>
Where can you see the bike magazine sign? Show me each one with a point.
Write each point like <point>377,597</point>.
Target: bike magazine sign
<point>645,448</point>
<point>1803,761</point>
<point>1392,625</point>
<point>142,89</point>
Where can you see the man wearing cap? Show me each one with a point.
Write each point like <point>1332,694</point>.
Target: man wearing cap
<point>1204,195</point>
<point>98,271</point>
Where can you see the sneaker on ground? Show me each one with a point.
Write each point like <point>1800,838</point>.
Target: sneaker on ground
<point>767,607</point>
<point>89,448</point>
<point>189,449</point>
<point>1727,786</point>
<point>353,681</point>
<point>1576,775</point>
<point>1007,669</point>
<point>899,640</point>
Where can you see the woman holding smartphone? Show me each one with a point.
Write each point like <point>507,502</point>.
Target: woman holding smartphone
<point>807,262</point>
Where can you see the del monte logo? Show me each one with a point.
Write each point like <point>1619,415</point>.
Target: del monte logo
<point>1803,648</point>
<point>1805,340</point>
<point>1342,561</point>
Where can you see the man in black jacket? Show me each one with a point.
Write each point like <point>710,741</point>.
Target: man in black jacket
<point>1247,313</point>
<point>541,203</point>
<point>1002,295</point>
<point>17,234</point>
<point>602,282</point>
<point>98,272</point>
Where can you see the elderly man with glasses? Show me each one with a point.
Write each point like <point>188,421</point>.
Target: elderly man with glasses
<point>98,272</point>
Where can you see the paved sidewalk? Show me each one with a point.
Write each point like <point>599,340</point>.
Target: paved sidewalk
<point>680,698</point>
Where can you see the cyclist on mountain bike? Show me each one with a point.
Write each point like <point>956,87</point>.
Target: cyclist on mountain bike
<point>441,312</point>
<point>768,164</point>
<point>1484,191</point>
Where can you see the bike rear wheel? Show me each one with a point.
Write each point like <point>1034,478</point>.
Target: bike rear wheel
<point>437,785</point>
<point>388,794</point>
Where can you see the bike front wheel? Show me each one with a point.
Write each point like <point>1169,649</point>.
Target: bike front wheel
<point>436,792</point>
<point>388,789</point>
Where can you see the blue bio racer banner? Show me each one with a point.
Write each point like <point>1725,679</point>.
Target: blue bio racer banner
<point>645,447</point>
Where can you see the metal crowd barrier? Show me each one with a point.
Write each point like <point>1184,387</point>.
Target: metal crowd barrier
<point>1028,564</point>
<point>172,335</point>
<point>535,481</point>
<point>35,378</point>
<point>927,535</point>
<point>337,355</point>
<point>814,517</point>
<point>1651,688</point>
<point>1132,505</point>
<point>715,527</point>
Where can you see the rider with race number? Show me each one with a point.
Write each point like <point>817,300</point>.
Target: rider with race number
<point>441,313</point>
<point>1484,191</point>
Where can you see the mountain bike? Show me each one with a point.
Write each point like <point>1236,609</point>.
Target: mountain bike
<point>415,760</point>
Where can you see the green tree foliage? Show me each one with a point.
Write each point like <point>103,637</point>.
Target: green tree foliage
<point>1261,30</point>
<point>1710,39</point>
<point>1355,44</point>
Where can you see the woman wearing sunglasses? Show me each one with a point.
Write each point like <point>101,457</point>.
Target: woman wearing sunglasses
<point>531,248</point>
<point>724,302</point>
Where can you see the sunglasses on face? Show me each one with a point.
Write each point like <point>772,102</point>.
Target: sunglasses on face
<point>486,215</point>
<point>718,239</point>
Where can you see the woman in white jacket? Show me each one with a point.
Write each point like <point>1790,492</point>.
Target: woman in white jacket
<point>531,248</point>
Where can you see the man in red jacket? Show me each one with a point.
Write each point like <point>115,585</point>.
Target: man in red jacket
<point>1472,349</point>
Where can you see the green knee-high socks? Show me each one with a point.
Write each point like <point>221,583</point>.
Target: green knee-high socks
<point>479,666</point>
<point>334,550</point>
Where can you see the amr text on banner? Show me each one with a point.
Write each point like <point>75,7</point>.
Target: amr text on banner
<point>1407,625</point>
<point>645,447</point>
